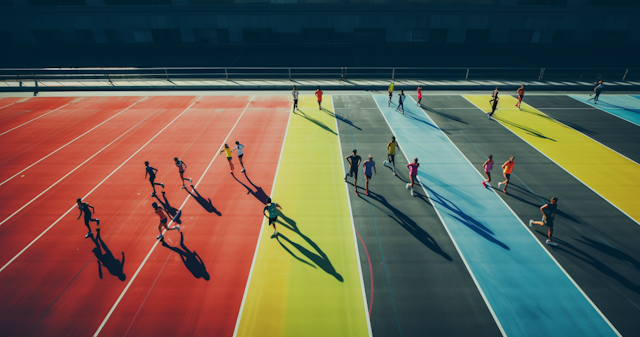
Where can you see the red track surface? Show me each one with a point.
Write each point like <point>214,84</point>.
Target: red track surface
<point>25,110</point>
<point>55,286</point>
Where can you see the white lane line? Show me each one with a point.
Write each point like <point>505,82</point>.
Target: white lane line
<point>65,145</point>
<point>155,244</point>
<point>353,230</point>
<point>595,106</point>
<point>86,195</point>
<point>7,105</point>
<point>255,253</point>
<point>25,123</point>
<point>444,224</point>
<point>531,232</point>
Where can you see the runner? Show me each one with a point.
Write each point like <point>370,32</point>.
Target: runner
<point>295,98</point>
<point>240,147</point>
<point>419,96</point>
<point>548,214</point>
<point>494,95</point>
<point>413,173</point>
<point>181,167</point>
<point>227,150</point>
<point>391,154</point>
<point>488,165</point>
<point>368,166</point>
<point>494,106</point>
<point>520,97</point>
<point>401,101</point>
<point>319,95</point>
<point>507,169</point>
<point>596,91</point>
<point>163,220</point>
<point>84,209</point>
<point>272,209</point>
<point>354,162</point>
<point>152,177</point>
<point>390,90</point>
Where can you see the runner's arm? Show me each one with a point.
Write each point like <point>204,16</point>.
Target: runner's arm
<point>155,171</point>
<point>542,210</point>
<point>80,214</point>
<point>278,206</point>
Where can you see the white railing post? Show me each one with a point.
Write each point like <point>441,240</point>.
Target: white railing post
<point>625,74</point>
<point>467,76</point>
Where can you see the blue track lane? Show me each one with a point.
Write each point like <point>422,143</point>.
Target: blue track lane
<point>528,292</point>
<point>622,106</point>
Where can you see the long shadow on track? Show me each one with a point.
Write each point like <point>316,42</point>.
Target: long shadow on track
<point>174,212</point>
<point>191,259</point>
<point>258,193</point>
<point>113,265</point>
<point>205,203</point>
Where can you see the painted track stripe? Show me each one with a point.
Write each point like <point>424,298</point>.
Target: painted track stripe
<point>155,244</point>
<point>615,105</point>
<point>96,187</point>
<point>65,145</point>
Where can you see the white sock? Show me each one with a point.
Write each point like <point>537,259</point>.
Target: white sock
<point>412,190</point>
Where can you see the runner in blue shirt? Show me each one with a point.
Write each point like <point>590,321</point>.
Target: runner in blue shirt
<point>369,167</point>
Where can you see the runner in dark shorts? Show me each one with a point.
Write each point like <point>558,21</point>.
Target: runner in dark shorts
<point>354,161</point>
<point>548,214</point>
<point>84,209</point>
<point>271,212</point>
<point>507,168</point>
<point>162,213</point>
<point>152,177</point>
<point>520,96</point>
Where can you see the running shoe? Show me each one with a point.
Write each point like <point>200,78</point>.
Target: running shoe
<point>408,185</point>
<point>413,194</point>
<point>530,223</point>
<point>161,184</point>
<point>505,191</point>
<point>551,243</point>
<point>88,235</point>
<point>183,187</point>
<point>394,173</point>
<point>190,181</point>
<point>242,170</point>
<point>153,194</point>
<point>384,163</point>
<point>160,237</point>
<point>500,184</point>
<point>177,227</point>
<point>97,222</point>
<point>366,192</point>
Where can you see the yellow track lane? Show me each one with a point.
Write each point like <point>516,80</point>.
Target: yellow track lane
<point>307,282</point>
<point>610,174</point>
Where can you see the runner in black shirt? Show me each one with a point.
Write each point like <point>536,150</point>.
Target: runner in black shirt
<point>152,177</point>
<point>548,214</point>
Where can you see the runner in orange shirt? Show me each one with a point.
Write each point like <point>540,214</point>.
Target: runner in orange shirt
<point>163,220</point>
<point>507,169</point>
<point>319,95</point>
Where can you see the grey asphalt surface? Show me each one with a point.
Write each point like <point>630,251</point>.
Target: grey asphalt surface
<point>597,244</point>
<point>421,285</point>
<point>607,129</point>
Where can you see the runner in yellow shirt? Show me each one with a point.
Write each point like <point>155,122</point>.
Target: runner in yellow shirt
<point>391,153</point>
<point>390,94</point>
<point>227,150</point>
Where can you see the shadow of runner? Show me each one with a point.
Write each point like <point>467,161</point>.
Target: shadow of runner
<point>445,115</point>
<point>313,120</point>
<point>410,225</point>
<point>113,265</point>
<point>191,260</point>
<point>465,219</point>
<point>340,118</point>
<point>175,213</point>
<point>523,128</point>
<point>320,259</point>
<point>258,193</point>
<point>205,203</point>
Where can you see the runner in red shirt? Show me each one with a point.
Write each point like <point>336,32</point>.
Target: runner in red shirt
<point>319,95</point>
<point>162,213</point>
<point>413,173</point>
<point>520,96</point>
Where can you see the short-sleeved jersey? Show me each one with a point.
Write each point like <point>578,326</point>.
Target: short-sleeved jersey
<point>84,207</point>
<point>509,167</point>
<point>400,98</point>
<point>238,147</point>
<point>391,148</point>
<point>228,152</point>
<point>419,93</point>
<point>413,169</point>
<point>150,170</point>
<point>272,210</point>
<point>180,165</point>
<point>354,161</point>
<point>160,213</point>
<point>391,88</point>
<point>368,167</point>
<point>294,93</point>
<point>521,91</point>
<point>550,209</point>
<point>319,94</point>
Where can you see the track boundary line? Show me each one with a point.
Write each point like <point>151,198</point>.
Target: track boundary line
<point>538,241</point>
<point>598,108</point>
<point>7,105</point>
<point>155,244</point>
<point>25,123</point>
<point>96,187</point>
<point>65,145</point>
<point>255,254</point>
<point>585,184</point>
<point>453,240</point>
<point>353,230</point>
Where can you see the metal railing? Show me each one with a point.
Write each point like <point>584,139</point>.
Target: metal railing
<point>345,73</point>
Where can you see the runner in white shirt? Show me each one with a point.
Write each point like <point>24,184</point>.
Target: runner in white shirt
<point>239,147</point>
<point>295,98</point>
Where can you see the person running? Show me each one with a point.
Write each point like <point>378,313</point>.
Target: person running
<point>162,213</point>
<point>494,95</point>
<point>520,96</point>
<point>84,209</point>
<point>181,167</point>
<point>548,214</point>
<point>227,150</point>
<point>152,177</point>
<point>369,167</point>
<point>354,161</point>
<point>419,96</point>
<point>488,165</point>
<point>390,90</point>
<point>597,90</point>
<point>507,168</point>
<point>401,101</point>
<point>270,211</point>
<point>295,98</point>
<point>319,95</point>
<point>494,106</point>
<point>239,147</point>
<point>413,173</point>
<point>391,154</point>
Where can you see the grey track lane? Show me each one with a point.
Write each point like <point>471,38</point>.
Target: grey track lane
<point>421,286</point>
<point>598,245</point>
<point>607,129</point>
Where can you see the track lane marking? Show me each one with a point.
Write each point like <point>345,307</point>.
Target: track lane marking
<point>155,244</point>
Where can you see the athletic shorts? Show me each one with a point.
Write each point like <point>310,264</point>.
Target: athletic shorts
<point>87,215</point>
<point>295,101</point>
<point>508,176</point>
<point>163,221</point>
<point>152,179</point>
<point>272,220</point>
<point>354,170</point>
<point>368,176</point>
<point>548,222</point>
<point>520,97</point>
<point>391,157</point>
<point>181,171</point>
<point>240,156</point>
<point>229,158</point>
